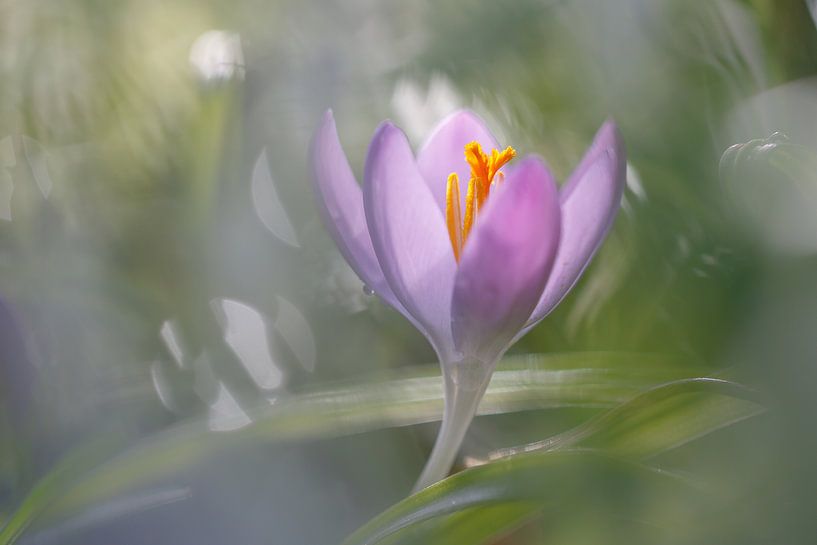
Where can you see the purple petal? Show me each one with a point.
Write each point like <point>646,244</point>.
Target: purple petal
<point>506,261</point>
<point>409,233</point>
<point>340,202</point>
<point>590,200</point>
<point>444,152</point>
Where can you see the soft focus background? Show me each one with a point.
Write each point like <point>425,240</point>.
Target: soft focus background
<point>186,358</point>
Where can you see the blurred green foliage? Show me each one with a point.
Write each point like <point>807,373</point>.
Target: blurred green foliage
<point>147,192</point>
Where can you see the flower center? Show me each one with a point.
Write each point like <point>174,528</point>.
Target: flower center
<point>484,175</point>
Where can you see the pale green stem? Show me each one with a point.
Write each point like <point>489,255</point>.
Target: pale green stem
<point>461,401</point>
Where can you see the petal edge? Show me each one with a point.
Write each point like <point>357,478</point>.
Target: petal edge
<point>443,151</point>
<point>408,233</point>
<point>340,203</point>
<point>590,201</point>
<point>506,261</point>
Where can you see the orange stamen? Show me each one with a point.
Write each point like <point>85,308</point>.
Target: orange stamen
<point>480,169</point>
<point>470,209</point>
<point>453,216</point>
<point>499,159</point>
<point>483,171</point>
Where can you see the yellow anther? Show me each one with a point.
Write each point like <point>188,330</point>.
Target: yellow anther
<point>483,171</point>
<point>499,159</point>
<point>480,169</point>
<point>470,209</point>
<point>453,215</point>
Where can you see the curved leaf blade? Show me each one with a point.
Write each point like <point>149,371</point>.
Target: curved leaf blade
<point>546,479</point>
<point>528,382</point>
<point>660,419</point>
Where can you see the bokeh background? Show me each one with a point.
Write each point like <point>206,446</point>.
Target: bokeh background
<point>186,358</point>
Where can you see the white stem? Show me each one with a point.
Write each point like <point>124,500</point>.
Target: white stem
<point>460,407</point>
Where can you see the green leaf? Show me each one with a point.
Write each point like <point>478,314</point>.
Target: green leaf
<point>535,381</point>
<point>658,420</point>
<point>49,488</point>
<point>474,525</point>
<point>547,480</point>
<point>598,379</point>
<point>650,423</point>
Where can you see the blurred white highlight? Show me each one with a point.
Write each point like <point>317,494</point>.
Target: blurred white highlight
<point>635,189</point>
<point>217,57</point>
<point>779,212</point>
<point>268,205</point>
<point>162,386</point>
<point>245,332</point>
<point>171,339</point>
<point>225,412</point>
<point>419,111</point>
<point>295,330</point>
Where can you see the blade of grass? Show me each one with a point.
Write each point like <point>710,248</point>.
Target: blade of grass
<point>598,379</point>
<point>660,419</point>
<point>548,480</point>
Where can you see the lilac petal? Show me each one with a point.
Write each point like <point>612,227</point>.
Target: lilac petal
<point>506,261</point>
<point>340,202</point>
<point>590,200</point>
<point>409,233</point>
<point>444,152</point>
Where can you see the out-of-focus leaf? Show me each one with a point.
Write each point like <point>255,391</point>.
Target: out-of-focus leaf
<point>549,480</point>
<point>521,383</point>
<point>475,526</point>
<point>115,509</point>
<point>36,502</point>
<point>772,185</point>
<point>658,420</point>
<point>49,488</point>
<point>527,382</point>
<point>720,34</point>
<point>774,155</point>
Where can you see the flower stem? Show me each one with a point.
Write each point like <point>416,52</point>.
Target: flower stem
<point>460,407</point>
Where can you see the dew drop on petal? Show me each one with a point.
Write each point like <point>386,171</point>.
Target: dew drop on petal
<point>367,290</point>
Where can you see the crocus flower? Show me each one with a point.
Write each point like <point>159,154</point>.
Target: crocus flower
<point>472,246</point>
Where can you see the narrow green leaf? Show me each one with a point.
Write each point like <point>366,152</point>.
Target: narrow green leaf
<point>662,418</point>
<point>535,381</point>
<point>49,488</point>
<point>597,379</point>
<point>658,420</point>
<point>548,480</point>
<point>473,526</point>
